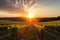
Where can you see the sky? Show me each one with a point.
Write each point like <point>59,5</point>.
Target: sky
<point>46,8</point>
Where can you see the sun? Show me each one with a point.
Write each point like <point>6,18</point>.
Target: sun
<point>30,15</point>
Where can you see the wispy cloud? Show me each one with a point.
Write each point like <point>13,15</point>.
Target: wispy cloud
<point>51,7</point>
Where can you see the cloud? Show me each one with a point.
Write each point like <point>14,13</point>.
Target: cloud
<point>52,6</point>
<point>5,14</point>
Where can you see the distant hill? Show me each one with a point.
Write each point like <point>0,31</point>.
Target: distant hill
<point>24,19</point>
<point>13,18</point>
<point>48,19</point>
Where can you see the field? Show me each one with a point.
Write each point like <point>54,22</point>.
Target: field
<point>51,30</point>
<point>13,30</point>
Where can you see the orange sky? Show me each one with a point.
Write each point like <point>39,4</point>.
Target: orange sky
<point>45,8</point>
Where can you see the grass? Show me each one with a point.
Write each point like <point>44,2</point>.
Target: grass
<point>11,22</point>
<point>51,33</point>
<point>30,35</point>
<point>10,25</point>
<point>50,23</point>
<point>51,30</point>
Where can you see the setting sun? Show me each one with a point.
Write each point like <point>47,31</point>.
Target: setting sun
<point>30,15</point>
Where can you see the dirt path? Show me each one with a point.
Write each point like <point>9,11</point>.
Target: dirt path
<point>29,33</point>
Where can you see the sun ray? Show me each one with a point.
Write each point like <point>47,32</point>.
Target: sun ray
<point>28,6</point>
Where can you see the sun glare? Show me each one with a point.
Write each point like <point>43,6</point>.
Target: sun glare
<point>30,15</point>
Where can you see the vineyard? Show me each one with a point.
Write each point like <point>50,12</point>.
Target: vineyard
<point>46,30</point>
<point>51,30</point>
<point>7,32</point>
<point>9,29</point>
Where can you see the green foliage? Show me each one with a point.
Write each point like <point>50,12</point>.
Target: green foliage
<point>7,32</point>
